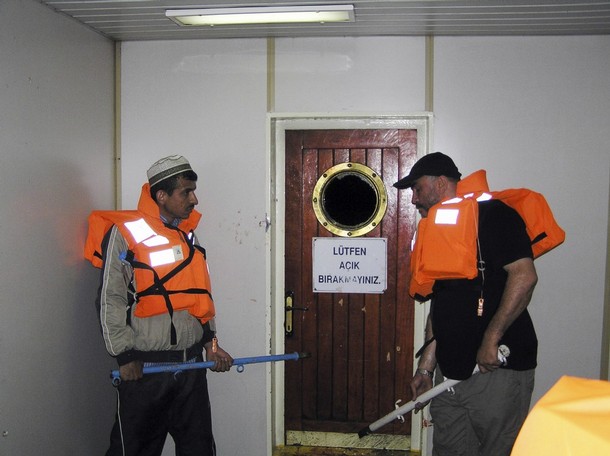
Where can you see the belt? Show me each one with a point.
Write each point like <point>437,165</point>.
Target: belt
<point>171,356</point>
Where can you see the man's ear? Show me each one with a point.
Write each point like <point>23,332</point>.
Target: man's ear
<point>160,195</point>
<point>441,182</point>
<point>445,186</point>
<point>449,186</point>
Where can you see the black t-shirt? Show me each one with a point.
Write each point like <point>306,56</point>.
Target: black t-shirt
<point>457,327</point>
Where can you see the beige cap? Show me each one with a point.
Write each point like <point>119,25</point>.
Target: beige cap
<point>167,167</point>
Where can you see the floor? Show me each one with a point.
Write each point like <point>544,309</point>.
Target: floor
<point>323,451</point>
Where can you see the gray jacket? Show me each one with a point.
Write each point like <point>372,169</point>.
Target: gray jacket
<point>124,339</point>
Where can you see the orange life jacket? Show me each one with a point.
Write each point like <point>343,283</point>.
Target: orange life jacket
<point>449,251</point>
<point>445,245</point>
<point>540,224</point>
<point>170,271</point>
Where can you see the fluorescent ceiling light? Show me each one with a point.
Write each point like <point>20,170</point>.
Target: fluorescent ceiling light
<point>262,15</point>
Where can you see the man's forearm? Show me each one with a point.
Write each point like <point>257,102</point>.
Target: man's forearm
<point>428,357</point>
<point>517,294</point>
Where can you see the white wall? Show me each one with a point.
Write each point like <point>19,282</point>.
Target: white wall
<point>350,75</point>
<point>207,101</point>
<point>56,124</point>
<point>532,111</point>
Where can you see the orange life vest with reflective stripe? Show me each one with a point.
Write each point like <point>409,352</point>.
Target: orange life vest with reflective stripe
<point>445,246</point>
<point>171,272</point>
<point>540,224</point>
<point>443,250</point>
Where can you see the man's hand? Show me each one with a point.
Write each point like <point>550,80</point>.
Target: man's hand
<point>487,358</point>
<point>420,384</point>
<point>131,371</point>
<point>223,361</point>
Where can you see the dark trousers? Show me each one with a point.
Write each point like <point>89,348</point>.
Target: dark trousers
<point>158,404</point>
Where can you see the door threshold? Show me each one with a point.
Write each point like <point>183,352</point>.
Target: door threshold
<point>328,451</point>
<point>348,440</point>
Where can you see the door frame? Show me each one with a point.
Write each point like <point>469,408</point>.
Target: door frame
<point>277,124</point>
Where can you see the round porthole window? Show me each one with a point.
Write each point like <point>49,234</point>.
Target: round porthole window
<point>349,199</point>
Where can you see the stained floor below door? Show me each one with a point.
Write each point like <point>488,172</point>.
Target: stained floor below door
<point>323,451</point>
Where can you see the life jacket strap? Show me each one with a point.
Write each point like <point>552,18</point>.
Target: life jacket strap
<point>423,347</point>
<point>158,286</point>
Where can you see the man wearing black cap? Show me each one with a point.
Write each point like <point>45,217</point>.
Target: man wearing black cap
<point>155,307</point>
<point>470,319</point>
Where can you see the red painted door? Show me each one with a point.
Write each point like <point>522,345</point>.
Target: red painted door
<point>361,345</point>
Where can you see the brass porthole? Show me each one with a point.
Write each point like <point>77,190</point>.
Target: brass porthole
<point>349,199</point>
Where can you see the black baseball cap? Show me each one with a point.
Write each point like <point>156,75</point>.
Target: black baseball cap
<point>434,164</point>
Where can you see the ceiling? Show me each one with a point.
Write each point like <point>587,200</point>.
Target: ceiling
<point>129,20</point>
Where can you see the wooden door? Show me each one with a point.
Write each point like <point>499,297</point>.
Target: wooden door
<point>361,345</point>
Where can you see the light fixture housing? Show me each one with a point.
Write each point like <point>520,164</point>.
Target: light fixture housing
<point>262,15</point>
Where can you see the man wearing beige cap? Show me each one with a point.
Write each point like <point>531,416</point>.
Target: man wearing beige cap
<point>155,306</point>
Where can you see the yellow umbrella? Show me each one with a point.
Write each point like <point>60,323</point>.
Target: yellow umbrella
<point>572,418</point>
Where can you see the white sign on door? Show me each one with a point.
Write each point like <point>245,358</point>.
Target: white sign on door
<point>342,265</point>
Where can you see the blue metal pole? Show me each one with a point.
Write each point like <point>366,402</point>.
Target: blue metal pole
<point>238,362</point>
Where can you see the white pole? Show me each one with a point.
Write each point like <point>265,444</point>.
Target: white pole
<point>503,353</point>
